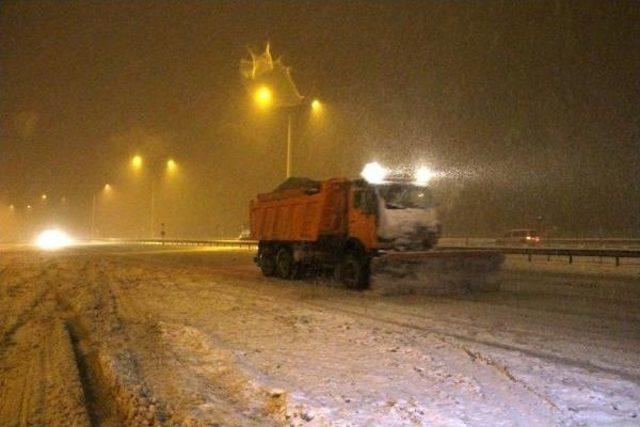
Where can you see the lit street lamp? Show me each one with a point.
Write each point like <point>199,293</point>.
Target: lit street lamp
<point>263,97</point>
<point>271,86</point>
<point>171,168</point>
<point>105,190</point>
<point>136,162</point>
<point>316,106</point>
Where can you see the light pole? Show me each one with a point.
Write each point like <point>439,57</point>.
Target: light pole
<point>289,148</point>
<point>264,99</point>
<point>93,216</point>
<point>171,168</point>
<point>94,202</point>
<point>152,213</point>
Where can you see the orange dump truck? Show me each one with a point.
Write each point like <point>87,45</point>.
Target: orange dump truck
<point>365,233</point>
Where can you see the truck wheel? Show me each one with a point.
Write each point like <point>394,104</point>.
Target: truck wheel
<point>285,265</point>
<point>353,271</point>
<point>268,265</point>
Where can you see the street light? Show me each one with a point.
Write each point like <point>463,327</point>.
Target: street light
<point>316,106</point>
<point>136,162</point>
<point>171,168</point>
<point>105,190</point>
<point>270,85</point>
<point>263,97</point>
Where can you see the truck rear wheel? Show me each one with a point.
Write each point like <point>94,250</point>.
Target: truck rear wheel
<point>285,265</point>
<point>268,264</point>
<point>353,271</point>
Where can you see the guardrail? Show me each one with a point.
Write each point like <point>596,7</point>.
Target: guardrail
<point>593,241</point>
<point>589,242</point>
<point>247,244</point>
<point>549,252</point>
<point>570,253</point>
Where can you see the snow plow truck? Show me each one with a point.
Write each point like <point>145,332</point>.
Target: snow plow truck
<point>379,236</point>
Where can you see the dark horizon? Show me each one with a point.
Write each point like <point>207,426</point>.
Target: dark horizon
<point>531,108</point>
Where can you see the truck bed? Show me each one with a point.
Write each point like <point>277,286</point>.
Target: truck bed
<point>296,215</point>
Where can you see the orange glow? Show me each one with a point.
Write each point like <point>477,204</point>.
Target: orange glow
<point>172,166</point>
<point>136,162</point>
<point>263,97</point>
<point>316,106</point>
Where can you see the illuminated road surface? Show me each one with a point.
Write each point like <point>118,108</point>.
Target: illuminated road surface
<point>148,335</point>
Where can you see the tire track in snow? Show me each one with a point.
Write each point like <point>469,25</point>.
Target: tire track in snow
<point>555,359</point>
<point>355,309</point>
<point>274,302</point>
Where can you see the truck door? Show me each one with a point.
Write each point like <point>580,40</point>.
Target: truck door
<point>362,215</point>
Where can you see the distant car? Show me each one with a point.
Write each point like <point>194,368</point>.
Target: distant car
<point>521,236</point>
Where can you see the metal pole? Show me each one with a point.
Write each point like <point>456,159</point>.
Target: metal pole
<point>289,145</point>
<point>93,216</point>
<point>152,216</point>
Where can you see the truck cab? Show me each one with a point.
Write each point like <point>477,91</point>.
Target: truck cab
<point>396,215</point>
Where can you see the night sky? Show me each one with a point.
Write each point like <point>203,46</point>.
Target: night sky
<point>532,108</point>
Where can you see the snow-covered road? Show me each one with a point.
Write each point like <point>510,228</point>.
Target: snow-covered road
<point>159,335</point>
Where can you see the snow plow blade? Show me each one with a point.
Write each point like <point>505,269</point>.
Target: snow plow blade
<point>435,272</point>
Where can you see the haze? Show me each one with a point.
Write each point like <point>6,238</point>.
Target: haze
<point>529,108</point>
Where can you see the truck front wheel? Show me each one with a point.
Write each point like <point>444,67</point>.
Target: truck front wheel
<point>353,271</point>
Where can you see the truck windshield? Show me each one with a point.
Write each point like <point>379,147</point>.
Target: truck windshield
<point>398,196</point>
